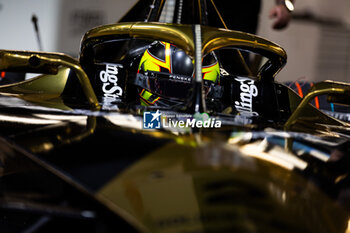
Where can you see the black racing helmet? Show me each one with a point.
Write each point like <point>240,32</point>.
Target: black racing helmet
<point>165,74</point>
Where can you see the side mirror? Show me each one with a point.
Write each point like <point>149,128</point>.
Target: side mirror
<point>337,92</point>
<point>47,63</point>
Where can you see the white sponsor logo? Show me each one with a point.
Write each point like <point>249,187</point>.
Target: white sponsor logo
<point>109,78</point>
<point>187,121</point>
<point>155,120</point>
<point>248,91</point>
<point>180,78</point>
<point>191,123</point>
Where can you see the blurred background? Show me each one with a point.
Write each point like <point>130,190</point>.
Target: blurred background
<point>317,40</point>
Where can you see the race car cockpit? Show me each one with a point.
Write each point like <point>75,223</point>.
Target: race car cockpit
<point>158,69</point>
<point>80,150</point>
<point>113,73</point>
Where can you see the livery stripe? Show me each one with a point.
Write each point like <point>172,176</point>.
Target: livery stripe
<point>300,91</point>
<point>317,103</point>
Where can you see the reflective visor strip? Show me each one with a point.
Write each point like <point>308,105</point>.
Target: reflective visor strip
<point>146,96</point>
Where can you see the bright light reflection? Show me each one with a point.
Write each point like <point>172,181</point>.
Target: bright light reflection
<point>289,5</point>
<point>348,228</point>
<point>27,120</point>
<point>74,118</point>
<point>128,121</point>
<point>275,156</point>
